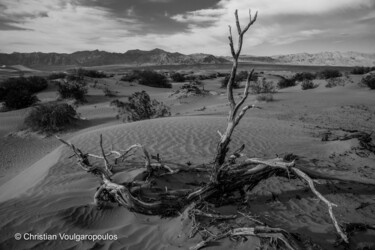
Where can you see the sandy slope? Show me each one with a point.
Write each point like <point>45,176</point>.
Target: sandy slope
<point>54,196</point>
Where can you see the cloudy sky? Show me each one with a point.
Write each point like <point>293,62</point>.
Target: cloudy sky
<point>186,26</point>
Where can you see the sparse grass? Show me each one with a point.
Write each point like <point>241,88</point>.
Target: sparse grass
<point>51,118</point>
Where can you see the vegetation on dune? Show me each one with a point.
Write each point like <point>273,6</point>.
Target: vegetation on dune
<point>17,93</point>
<point>262,86</point>
<point>88,72</point>
<point>369,81</point>
<point>298,77</point>
<point>361,70</point>
<point>109,93</point>
<point>329,73</point>
<point>177,77</point>
<point>51,117</point>
<point>266,97</point>
<point>140,107</point>
<point>286,83</point>
<point>73,87</point>
<point>148,78</point>
<point>304,76</point>
<point>153,79</point>
<point>240,77</point>
<point>308,84</point>
<point>56,75</point>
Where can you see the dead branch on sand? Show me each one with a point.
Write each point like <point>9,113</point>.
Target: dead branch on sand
<point>148,194</point>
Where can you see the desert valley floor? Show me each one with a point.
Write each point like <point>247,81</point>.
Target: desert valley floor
<point>43,191</point>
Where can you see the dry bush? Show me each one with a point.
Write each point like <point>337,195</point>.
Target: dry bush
<point>337,81</point>
<point>329,73</point>
<point>109,93</point>
<point>308,84</point>
<point>286,83</point>
<point>369,81</point>
<point>73,88</point>
<point>361,70</point>
<point>265,97</point>
<point>17,93</point>
<point>50,118</point>
<point>57,75</point>
<point>177,77</point>
<point>262,86</point>
<point>140,107</point>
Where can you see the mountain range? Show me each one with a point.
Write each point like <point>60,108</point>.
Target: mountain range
<point>323,58</point>
<point>161,57</point>
<point>97,58</point>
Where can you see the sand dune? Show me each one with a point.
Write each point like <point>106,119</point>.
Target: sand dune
<point>53,195</point>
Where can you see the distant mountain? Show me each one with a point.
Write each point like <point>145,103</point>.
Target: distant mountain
<point>323,58</point>
<point>328,58</point>
<point>97,58</point>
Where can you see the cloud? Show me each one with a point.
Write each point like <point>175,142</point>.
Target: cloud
<point>283,26</point>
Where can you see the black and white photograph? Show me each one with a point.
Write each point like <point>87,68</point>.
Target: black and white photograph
<point>187,124</point>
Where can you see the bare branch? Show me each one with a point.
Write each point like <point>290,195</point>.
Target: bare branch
<point>237,22</point>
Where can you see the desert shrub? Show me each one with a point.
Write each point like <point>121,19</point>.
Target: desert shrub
<point>177,77</point>
<point>140,107</point>
<point>51,117</point>
<point>369,81</point>
<point>17,93</point>
<point>153,79</point>
<point>240,77</point>
<point>148,78</point>
<point>265,97</point>
<point>361,70</point>
<point>109,93</point>
<point>262,86</point>
<point>225,80</point>
<point>19,98</point>
<point>333,82</point>
<point>33,84</point>
<point>58,75</point>
<point>304,76</point>
<point>89,73</point>
<point>130,77</point>
<point>308,84</point>
<point>73,89</point>
<point>286,82</point>
<point>330,73</point>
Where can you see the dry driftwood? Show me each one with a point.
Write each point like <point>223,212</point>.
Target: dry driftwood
<point>223,175</point>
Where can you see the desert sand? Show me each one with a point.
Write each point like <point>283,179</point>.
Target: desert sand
<point>43,191</point>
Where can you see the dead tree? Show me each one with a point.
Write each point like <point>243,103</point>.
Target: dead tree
<point>148,194</point>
